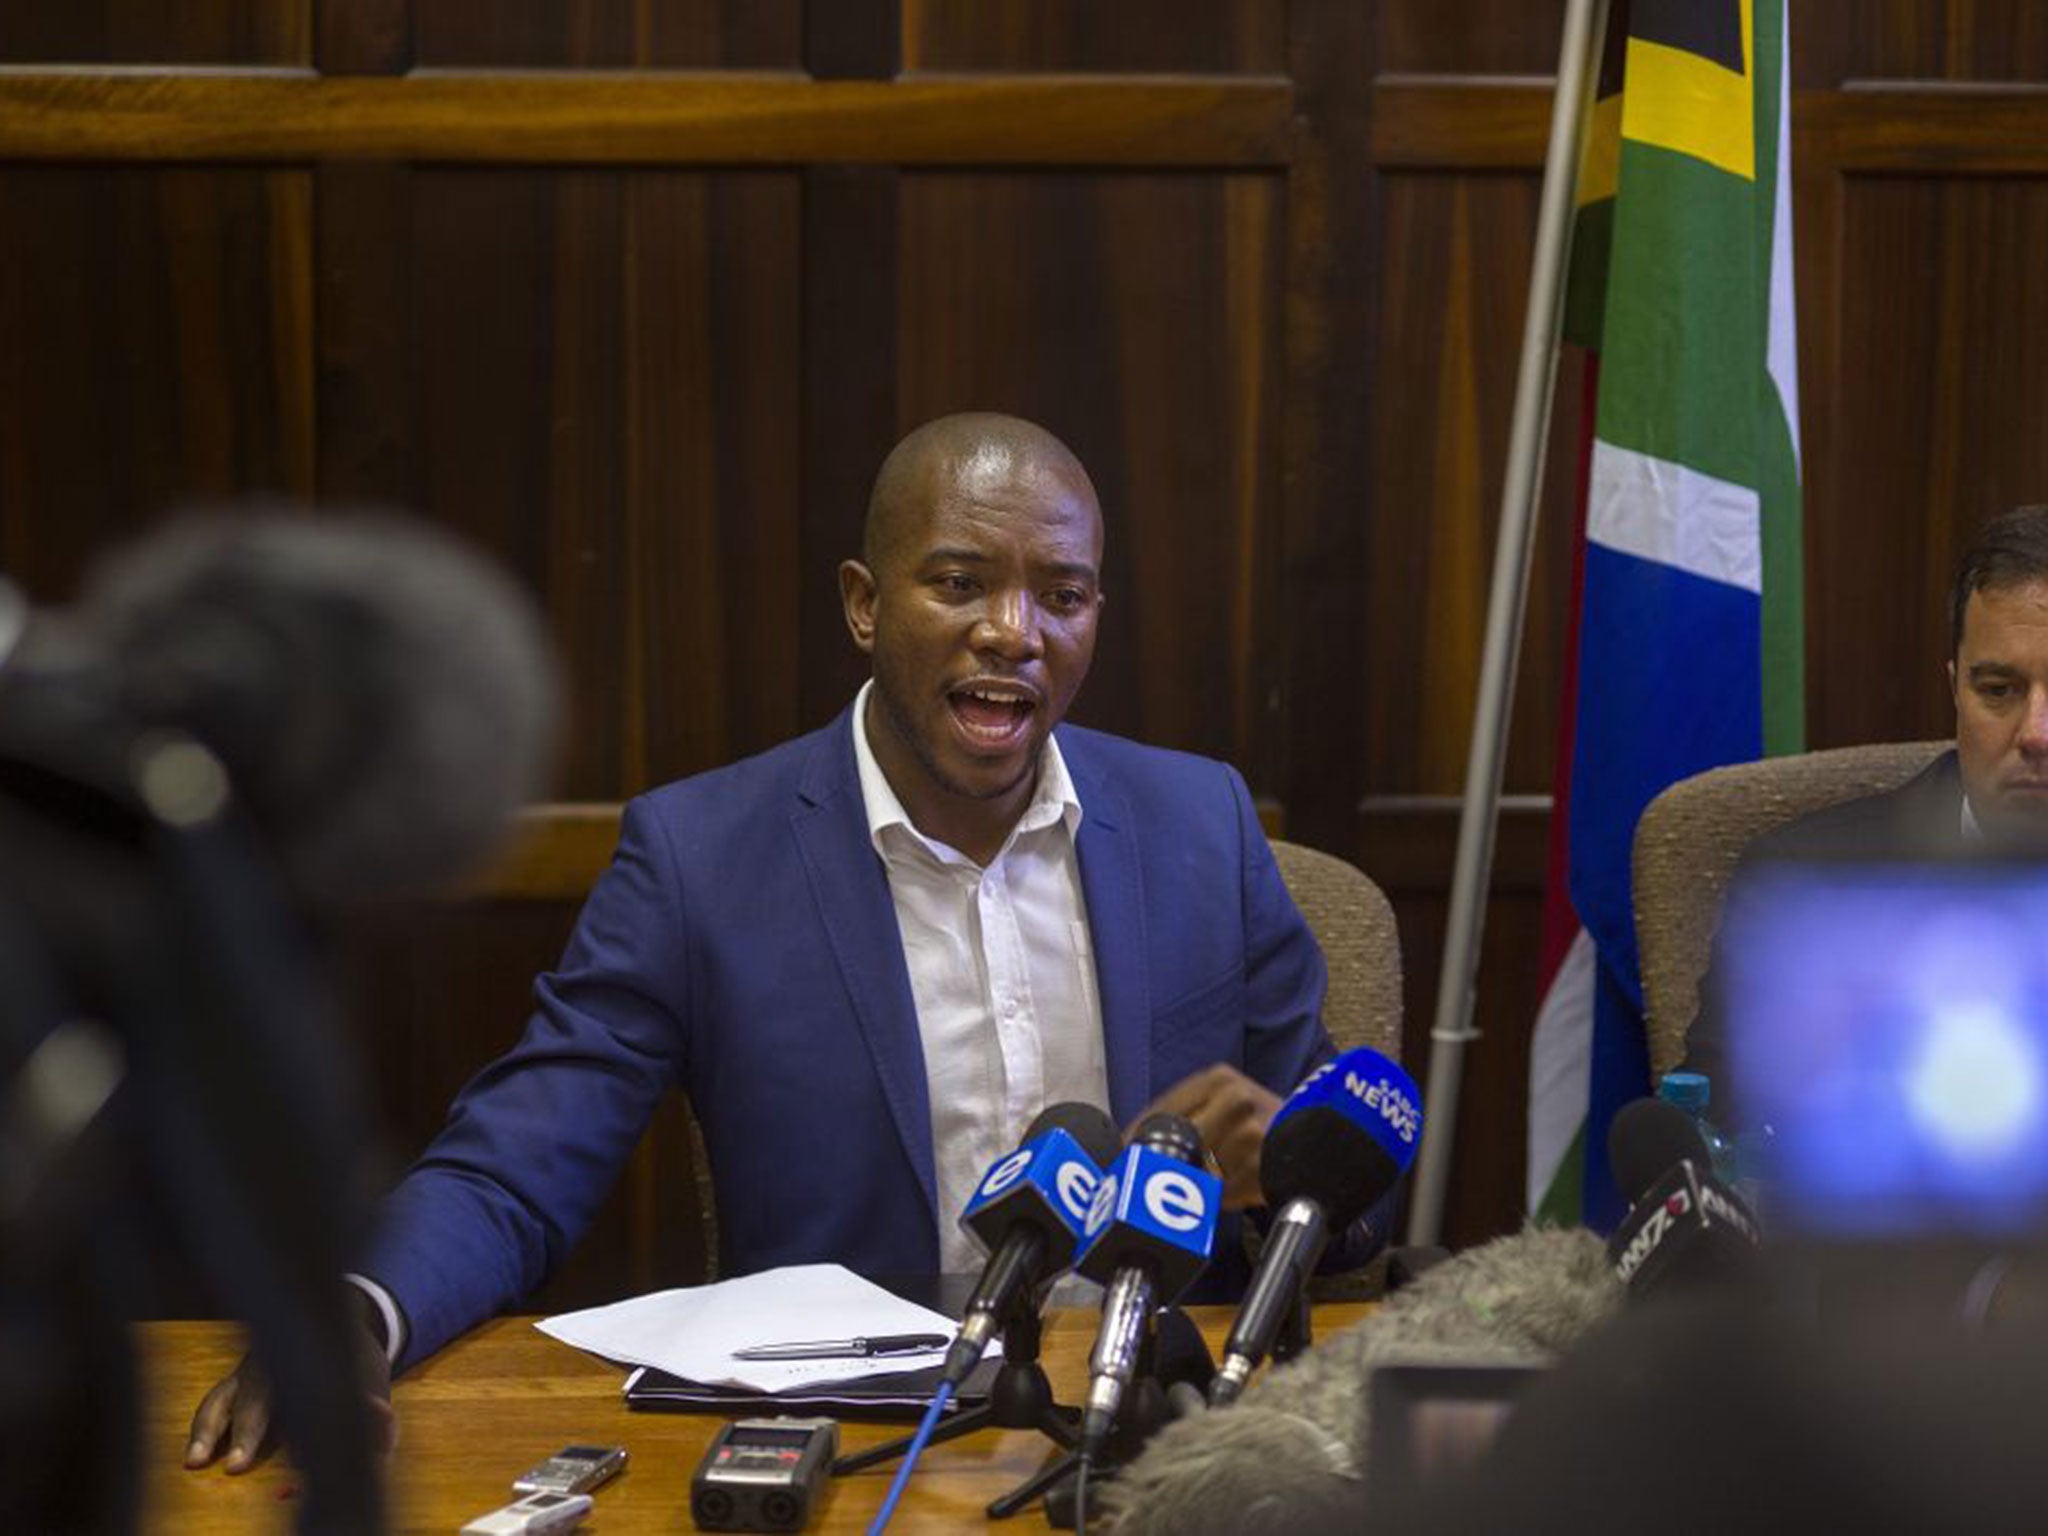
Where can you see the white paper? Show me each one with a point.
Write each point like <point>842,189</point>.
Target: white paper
<point>692,1332</point>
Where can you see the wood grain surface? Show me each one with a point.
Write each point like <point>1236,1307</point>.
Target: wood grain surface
<point>583,117</point>
<point>483,1410</point>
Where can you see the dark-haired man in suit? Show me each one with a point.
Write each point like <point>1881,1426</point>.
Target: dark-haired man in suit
<point>1990,793</point>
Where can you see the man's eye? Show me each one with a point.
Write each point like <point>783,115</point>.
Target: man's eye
<point>956,582</point>
<point>1994,692</point>
<point>1066,599</point>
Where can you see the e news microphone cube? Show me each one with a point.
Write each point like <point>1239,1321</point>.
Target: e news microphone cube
<point>1047,1184</point>
<point>1156,1212</point>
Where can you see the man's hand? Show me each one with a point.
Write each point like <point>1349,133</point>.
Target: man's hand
<point>236,1413</point>
<point>1232,1113</point>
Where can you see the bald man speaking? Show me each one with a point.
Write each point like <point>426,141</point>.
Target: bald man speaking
<point>873,954</point>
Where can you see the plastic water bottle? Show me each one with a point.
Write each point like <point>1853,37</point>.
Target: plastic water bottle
<point>1692,1092</point>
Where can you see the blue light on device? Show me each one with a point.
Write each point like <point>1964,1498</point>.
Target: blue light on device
<point>1890,1023</point>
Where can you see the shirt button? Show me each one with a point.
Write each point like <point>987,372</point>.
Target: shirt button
<point>1009,1007</point>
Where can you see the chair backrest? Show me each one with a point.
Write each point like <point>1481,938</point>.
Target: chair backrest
<point>1690,839</point>
<point>1354,923</point>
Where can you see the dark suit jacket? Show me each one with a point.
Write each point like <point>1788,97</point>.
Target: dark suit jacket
<point>743,945</point>
<point>1921,819</point>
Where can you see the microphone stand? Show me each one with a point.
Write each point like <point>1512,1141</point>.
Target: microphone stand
<point>1141,1415</point>
<point>1020,1397</point>
<point>1295,1334</point>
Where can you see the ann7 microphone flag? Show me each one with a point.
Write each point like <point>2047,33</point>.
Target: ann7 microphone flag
<point>1685,651</point>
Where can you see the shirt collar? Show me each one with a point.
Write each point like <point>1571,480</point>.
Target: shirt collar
<point>1055,798</point>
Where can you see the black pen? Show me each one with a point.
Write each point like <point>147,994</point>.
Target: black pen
<point>846,1349</point>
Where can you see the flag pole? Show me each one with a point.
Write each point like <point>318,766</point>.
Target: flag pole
<point>1578,76</point>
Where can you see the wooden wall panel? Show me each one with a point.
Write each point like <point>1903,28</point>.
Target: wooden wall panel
<point>1135,316</point>
<point>593,374</point>
<point>608,34</point>
<point>158,329</point>
<point>1942,320</point>
<point>1469,37</point>
<point>1455,258</point>
<point>1179,35</point>
<point>151,32</point>
<point>1834,41</point>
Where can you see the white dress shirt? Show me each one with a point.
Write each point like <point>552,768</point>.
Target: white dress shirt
<point>1002,974</point>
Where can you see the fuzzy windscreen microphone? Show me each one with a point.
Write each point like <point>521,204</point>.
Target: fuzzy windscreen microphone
<point>1291,1454</point>
<point>382,698</point>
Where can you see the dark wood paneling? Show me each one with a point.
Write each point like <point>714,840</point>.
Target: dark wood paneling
<point>151,32</point>
<point>1331,330</point>
<point>1189,35</point>
<point>592,117</point>
<point>608,34</point>
<point>1834,41</point>
<point>158,329</point>
<point>850,368</point>
<point>713,468</point>
<point>1469,37</point>
<point>1942,321</point>
<point>364,37</point>
<point>1455,260</point>
<point>853,40</point>
<point>1136,316</point>
<point>593,375</point>
<point>1408,847</point>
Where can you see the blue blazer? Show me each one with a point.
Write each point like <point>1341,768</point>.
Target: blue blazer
<point>743,945</point>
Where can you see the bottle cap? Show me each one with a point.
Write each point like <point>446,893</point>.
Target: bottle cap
<point>1690,1091</point>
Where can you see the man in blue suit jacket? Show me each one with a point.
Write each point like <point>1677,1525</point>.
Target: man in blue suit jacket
<point>753,943</point>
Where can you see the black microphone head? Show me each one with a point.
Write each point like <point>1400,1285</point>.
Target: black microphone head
<point>1649,1137</point>
<point>1174,1135</point>
<point>1320,1154</point>
<point>1089,1126</point>
<point>382,698</point>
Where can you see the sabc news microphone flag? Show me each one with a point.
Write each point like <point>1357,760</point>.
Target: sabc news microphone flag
<point>1685,650</point>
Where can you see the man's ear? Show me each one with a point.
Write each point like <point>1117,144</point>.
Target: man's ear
<point>857,595</point>
<point>1954,697</point>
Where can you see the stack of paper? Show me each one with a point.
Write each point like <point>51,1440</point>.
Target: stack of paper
<point>691,1333</point>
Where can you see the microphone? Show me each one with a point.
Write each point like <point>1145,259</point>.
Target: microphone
<point>382,698</point>
<point>1028,1213</point>
<point>1149,1234</point>
<point>1335,1149</point>
<point>1684,1227</point>
<point>1294,1454</point>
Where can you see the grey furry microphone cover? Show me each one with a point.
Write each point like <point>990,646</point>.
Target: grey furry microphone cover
<point>1291,1454</point>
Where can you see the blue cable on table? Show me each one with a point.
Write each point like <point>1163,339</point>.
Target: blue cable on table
<point>932,1415</point>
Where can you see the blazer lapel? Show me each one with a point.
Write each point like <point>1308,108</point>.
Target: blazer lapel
<point>859,918</point>
<point>1113,886</point>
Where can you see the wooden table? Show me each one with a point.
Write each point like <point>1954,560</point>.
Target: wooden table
<point>483,1410</point>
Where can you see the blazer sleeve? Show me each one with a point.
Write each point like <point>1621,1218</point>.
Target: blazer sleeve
<point>535,1141</point>
<point>1284,972</point>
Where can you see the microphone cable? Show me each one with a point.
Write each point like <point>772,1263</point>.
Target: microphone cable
<point>930,1422</point>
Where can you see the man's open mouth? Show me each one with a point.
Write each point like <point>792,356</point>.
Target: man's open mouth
<point>992,717</point>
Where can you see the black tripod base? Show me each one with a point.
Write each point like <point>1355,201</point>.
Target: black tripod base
<point>1144,1413</point>
<point>1019,1398</point>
